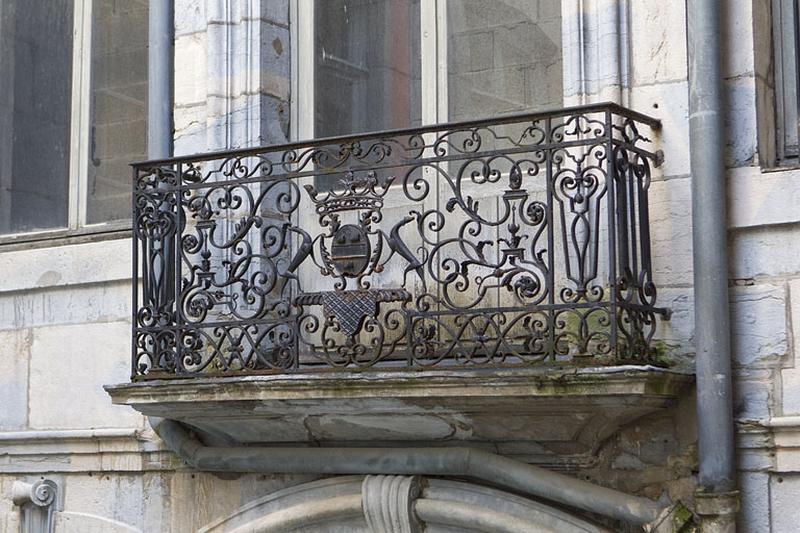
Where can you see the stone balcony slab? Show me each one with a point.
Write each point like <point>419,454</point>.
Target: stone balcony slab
<point>534,414</point>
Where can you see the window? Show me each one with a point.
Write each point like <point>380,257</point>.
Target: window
<point>366,65</point>
<point>35,109</point>
<point>72,111</point>
<point>118,106</point>
<point>502,57</point>
<point>785,64</point>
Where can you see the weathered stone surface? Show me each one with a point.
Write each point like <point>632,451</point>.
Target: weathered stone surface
<point>190,17</point>
<point>15,346</point>
<point>758,323</point>
<point>784,494</point>
<point>757,198</point>
<point>675,336</point>
<point>741,125</point>
<point>671,237</point>
<point>190,71</point>
<point>659,31</point>
<point>96,302</point>
<point>66,522</point>
<point>752,394</point>
<point>794,291</point>
<point>765,252</point>
<point>737,38</point>
<point>68,367</point>
<point>276,11</point>
<point>790,385</point>
<point>114,498</point>
<point>668,102</point>
<point>63,266</point>
<point>579,408</point>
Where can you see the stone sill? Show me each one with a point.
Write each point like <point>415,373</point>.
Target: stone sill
<point>539,381</point>
<point>536,414</point>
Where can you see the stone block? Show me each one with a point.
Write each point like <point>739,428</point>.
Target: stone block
<point>794,310</point>
<point>757,198</point>
<point>765,251</point>
<point>549,9</point>
<point>69,366</point>
<point>784,494</point>
<point>737,38</point>
<point>276,11</point>
<point>190,121</point>
<point>472,51</point>
<point>112,497</point>
<point>239,128</point>
<point>190,70</point>
<point>100,302</point>
<point>190,16</point>
<point>668,102</point>
<point>676,334</point>
<point>67,522</point>
<point>521,43</point>
<point>275,56</point>
<point>196,507</point>
<point>754,494</point>
<point>479,94</point>
<point>14,353</point>
<point>9,513</point>
<point>670,235</point>
<point>790,385</point>
<point>191,142</point>
<point>741,122</point>
<point>752,395</point>
<point>658,50</point>
<point>66,265</point>
<point>758,325</point>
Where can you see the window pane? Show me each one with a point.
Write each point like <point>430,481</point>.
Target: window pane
<point>35,93</point>
<point>367,65</point>
<point>504,56</point>
<point>786,82</point>
<point>119,105</point>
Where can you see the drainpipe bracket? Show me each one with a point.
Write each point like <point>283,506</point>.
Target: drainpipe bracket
<point>659,160</point>
<point>709,504</point>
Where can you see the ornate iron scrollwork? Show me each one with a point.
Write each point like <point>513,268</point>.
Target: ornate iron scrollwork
<point>522,240</point>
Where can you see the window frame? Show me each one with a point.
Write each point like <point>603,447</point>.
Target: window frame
<point>79,144</point>
<point>785,30</point>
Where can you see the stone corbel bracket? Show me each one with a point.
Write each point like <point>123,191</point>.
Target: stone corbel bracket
<point>36,502</point>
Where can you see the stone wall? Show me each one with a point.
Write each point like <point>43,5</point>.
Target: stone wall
<point>65,309</point>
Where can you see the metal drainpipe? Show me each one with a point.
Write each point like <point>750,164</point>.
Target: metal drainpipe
<point>447,461</point>
<point>160,67</point>
<point>717,499</point>
<point>159,79</point>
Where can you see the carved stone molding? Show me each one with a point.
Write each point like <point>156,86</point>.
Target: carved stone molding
<point>388,503</point>
<point>36,501</point>
<point>395,504</point>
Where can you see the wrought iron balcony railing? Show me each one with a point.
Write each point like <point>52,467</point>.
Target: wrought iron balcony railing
<point>514,241</point>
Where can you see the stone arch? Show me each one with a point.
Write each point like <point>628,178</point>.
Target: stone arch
<point>397,504</point>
